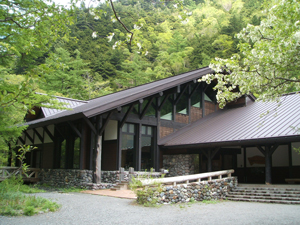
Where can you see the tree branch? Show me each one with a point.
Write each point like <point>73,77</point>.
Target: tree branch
<point>113,8</point>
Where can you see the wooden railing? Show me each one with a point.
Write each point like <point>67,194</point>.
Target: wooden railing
<point>31,175</point>
<point>186,179</point>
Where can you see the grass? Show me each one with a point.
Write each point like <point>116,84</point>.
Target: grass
<point>13,201</point>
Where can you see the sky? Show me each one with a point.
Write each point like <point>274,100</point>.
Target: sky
<point>66,2</point>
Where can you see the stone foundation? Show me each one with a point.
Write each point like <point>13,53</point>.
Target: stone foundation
<point>179,165</point>
<point>204,190</point>
<point>79,178</point>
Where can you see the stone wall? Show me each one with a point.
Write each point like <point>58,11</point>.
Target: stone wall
<point>179,165</point>
<point>204,190</point>
<point>66,177</point>
<point>79,178</point>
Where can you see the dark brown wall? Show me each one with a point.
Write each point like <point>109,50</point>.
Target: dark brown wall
<point>47,156</point>
<point>109,155</point>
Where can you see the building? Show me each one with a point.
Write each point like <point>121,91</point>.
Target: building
<point>174,123</point>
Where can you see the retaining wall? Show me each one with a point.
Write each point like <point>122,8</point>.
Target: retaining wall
<point>204,190</point>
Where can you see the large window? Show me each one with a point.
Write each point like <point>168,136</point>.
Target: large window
<point>128,145</point>
<point>147,148</point>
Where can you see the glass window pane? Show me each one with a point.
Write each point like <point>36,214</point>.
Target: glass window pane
<point>124,128</point>
<point>149,131</point>
<point>144,129</point>
<point>131,128</point>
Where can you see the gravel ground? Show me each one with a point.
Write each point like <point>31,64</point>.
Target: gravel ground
<point>79,208</point>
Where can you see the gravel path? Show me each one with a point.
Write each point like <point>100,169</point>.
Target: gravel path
<point>79,208</point>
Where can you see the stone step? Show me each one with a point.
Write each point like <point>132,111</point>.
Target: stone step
<point>280,191</point>
<point>120,186</point>
<point>265,197</point>
<point>264,201</point>
<point>267,189</point>
<point>264,194</point>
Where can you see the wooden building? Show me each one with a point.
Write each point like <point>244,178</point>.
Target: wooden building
<point>173,123</point>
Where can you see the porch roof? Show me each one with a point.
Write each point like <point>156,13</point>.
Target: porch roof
<point>112,101</point>
<point>242,126</point>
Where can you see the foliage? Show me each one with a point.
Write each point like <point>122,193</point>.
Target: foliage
<point>146,194</point>
<point>28,29</point>
<point>268,60</point>
<point>14,203</point>
<point>22,156</point>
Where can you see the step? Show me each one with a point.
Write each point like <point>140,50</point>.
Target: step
<point>282,191</point>
<point>267,189</point>
<point>120,186</point>
<point>264,201</point>
<point>265,197</point>
<point>264,194</point>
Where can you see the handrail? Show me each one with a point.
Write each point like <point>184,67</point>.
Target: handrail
<point>187,178</point>
<point>31,173</point>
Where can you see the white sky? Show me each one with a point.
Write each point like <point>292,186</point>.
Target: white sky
<point>87,2</point>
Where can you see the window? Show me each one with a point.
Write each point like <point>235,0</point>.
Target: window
<point>128,145</point>
<point>147,148</point>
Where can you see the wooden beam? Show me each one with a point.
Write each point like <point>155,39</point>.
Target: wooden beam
<point>102,128</point>
<point>180,95</point>
<point>163,102</point>
<point>38,134</point>
<point>49,133</point>
<point>126,115</point>
<point>89,123</point>
<point>22,140</point>
<point>261,150</point>
<point>74,129</point>
<point>194,90</point>
<point>59,131</point>
<point>28,136</point>
<point>273,148</point>
<point>146,108</point>
<point>214,152</point>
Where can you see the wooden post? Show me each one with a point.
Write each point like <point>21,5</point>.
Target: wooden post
<point>98,159</point>
<point>138,147</point>
<point>119,146</point>
<point>290,160</point>
<point>245,165</point>
<point>202,99</point>
<point>209,159</point>
<point>268,165</point>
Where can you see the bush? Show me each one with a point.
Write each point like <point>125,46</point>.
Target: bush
<point>13,202</point>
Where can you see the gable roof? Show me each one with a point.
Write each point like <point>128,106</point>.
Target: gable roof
<point>242,125</point>
<point>112,101</point>
<point>69,103</point>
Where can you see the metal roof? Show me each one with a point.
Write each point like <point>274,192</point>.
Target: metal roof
<point>69,103</point>
<point>112,101</point>
<point>242,125</point>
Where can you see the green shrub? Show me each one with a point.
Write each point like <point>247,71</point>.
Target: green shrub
<point>13,202</point>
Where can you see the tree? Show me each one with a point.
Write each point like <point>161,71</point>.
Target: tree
<point>67,74</point>
<point>268,62</point>
<point>28,29</point>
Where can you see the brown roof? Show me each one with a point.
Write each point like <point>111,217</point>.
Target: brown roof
<point>112,101</point>
<point>242,125</point>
